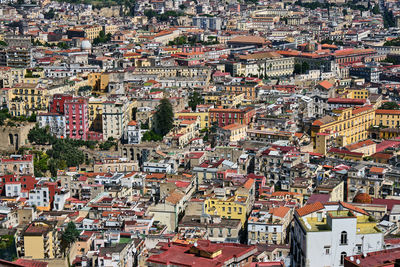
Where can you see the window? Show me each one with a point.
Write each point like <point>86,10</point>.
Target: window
<point>327,250</point>
<point>342,256</point>
<point>343,238</point>
<point>359,248</point>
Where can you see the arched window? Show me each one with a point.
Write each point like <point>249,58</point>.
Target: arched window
<point>342,256</point>
<point>343,238</point>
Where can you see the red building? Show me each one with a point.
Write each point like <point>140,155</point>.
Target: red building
<point>224,117</point>
<point>57,104</point>
<point>28,182</point>
<point>76,118</point>
<point>202,253</point>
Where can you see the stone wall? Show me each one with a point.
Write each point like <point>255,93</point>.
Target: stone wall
<point>14,137</point>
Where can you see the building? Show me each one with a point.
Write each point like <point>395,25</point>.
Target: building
<point>55,122</point>
<point>208,23</point>
<point>262,64</point>
<point>231,133</point>
<point>76,118</point>
<point>115,117</point>
<point>387,118</point>
<point>328,233</point>
<point>27,98</point>
<point>40,241</point>
<point>269,226</point>
<point>346,126</point>
<point>383,258</point>
<point>202,253</point>
<point>224,117</point>
<point>17,164</point>
<point>57,104</point>
<point>133,133</point>
<point>16,57</point>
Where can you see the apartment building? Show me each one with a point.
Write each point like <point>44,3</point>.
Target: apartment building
<point>223,117</point>
<point>115,117</point>
<point>17,164</point>
<point>76,118</point>
<point>40,241</point>
<point>27,98</point>
<point>55,122</point>
<point>269,225</point>
<point>328,233</point>
<point>350,125</point>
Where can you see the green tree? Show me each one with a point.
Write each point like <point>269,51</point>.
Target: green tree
<point>55,165</point>
<point>195,99</point>
<point>375,9</point>
<point>151,136</point>
<point>297,68</point>
<point>39,136</point>
<point>50,14</point>
<point>163,118</point>
<point>390,105</point>
<point>67,150</point>
<point>69,236</point>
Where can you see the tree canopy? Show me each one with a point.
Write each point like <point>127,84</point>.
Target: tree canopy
<point>69,236</point>
<point>390,105</point>
<point>195,99</point>
<point>163,118</point>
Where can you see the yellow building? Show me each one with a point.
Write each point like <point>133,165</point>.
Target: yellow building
<point>348,125</point>
<point>233,132</point>
<point>41,240</point>
<point>354,93</point>
<point>99,81</point>
<point>92,32</point>
<point>387,118</point>
<point>27,98</point>
<point>249,90</point>
<point>231,208</point>
<point>225,100</point>
<point>204,117</point>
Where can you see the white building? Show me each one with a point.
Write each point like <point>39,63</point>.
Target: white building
<point>13,189</point>
<point>60,198</point>
<point>158,167</point>
<point>39,197</point>
<point>55,122</point>
<point>133,134</point>
<point>324,234</point>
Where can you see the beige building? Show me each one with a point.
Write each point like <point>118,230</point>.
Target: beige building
<point>40,240</point>
<point>115,117</point>
<point>269,226</point>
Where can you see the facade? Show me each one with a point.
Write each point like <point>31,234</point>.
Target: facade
<point>55,122</point>
<point>26,99</point>
<point>17,164</point>
<point>224,117</point>
<point>133,133</point>
<point>40,241</point>
<point>76,118</point>
<point>331,232</point>
<point>349,125</point>
<point>208,23</point>
<point>115,117</point>
<point>269,226</point>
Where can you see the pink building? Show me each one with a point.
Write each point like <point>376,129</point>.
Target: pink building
<point>76,118</point>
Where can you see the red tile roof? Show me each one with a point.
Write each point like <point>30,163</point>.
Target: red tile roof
<point>310,208</point>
